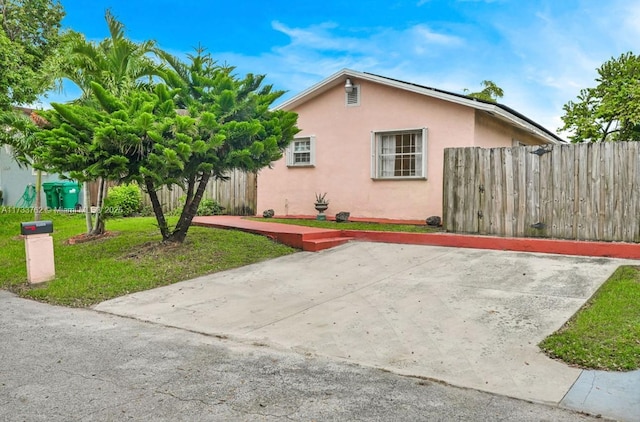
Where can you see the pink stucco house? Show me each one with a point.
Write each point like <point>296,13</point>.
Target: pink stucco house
<point>375,145</point>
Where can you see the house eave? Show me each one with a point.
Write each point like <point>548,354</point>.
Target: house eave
<point>500,111</point>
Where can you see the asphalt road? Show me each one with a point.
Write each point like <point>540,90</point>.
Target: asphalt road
<point>60,364</point>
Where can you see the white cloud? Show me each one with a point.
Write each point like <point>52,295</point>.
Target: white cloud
<point>317,37</point>
<point>424,36</point>
<point>317,51</point>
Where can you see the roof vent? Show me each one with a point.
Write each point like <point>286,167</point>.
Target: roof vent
<point>353,97</point>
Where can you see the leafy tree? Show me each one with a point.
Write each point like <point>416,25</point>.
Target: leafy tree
<point>20,128</point>
<point>29,37</point>
<point>118,65</point>
<point>146,137</point>
<point>611,110</point>
<point>227,125</point>
<point>490,92</point>
<point>66,144</point>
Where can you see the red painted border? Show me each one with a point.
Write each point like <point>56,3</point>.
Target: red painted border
<point>552,246</point>
<point>302,237</point>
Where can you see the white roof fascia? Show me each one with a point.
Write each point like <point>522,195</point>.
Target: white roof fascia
<point>322,86</point>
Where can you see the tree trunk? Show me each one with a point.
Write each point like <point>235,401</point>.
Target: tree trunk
<point>38,206</point>
<point>191,183</point>
<point>87,206</point>
<point>186,217</point>
<point>99,227</point>
<point>157,209</point>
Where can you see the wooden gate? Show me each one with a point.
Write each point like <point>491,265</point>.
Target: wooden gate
<point>577,191</point>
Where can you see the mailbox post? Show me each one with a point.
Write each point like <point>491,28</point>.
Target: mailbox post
<point>39,248</point>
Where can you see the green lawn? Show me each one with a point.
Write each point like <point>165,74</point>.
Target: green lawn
<point>351,225</point>
<point>133,259</point>
<point>605,333</point>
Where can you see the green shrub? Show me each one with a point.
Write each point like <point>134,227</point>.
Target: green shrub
<point>209,207</point>
<point>146,211</point>
<point>123,201</point>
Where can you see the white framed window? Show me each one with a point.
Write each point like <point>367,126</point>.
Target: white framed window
<point>302,152</point>
<point>399,154</point>
<point>352,98</point>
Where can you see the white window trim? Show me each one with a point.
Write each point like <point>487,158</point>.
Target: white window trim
<point>375,171</point>
<point>356,90</point>
<point>312,153</point>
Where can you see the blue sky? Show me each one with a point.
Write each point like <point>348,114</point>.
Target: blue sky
<point>540,52</point>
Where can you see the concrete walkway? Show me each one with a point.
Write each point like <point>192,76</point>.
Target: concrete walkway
<point>468,317</point>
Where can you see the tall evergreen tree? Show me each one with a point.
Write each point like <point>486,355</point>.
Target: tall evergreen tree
<point>145,137</point>
<point>230,126</point>
<point>118,65</point>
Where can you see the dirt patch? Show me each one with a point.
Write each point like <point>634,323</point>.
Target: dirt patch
<point>84,237</point>
<point>152,249</point>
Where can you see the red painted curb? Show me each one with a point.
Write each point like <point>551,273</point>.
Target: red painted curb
<point>552,246</point>
<point>297,235</point>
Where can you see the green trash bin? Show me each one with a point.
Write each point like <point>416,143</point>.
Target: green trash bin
<point>52,193</point>
<point>69,195</point>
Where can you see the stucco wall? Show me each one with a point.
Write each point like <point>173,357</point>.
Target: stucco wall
<point>490,132</point>
<point>343,154</point>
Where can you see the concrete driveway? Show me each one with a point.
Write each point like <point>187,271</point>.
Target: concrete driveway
<point>471,318</point>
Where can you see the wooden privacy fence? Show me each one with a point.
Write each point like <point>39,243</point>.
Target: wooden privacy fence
<point>578,191</point>
<point>237,195</point>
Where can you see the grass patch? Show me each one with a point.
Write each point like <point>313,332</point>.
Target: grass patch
<point>351,225</point>
<point>605,332</point>
<point>132,260</point>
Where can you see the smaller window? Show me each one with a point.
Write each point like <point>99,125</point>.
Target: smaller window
<point>353,98</point>
<point>301,152</point>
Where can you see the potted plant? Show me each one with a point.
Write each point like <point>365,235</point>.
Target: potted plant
<point>321,205</point>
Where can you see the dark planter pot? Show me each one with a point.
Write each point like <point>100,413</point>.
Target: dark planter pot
<point>321,208</point>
